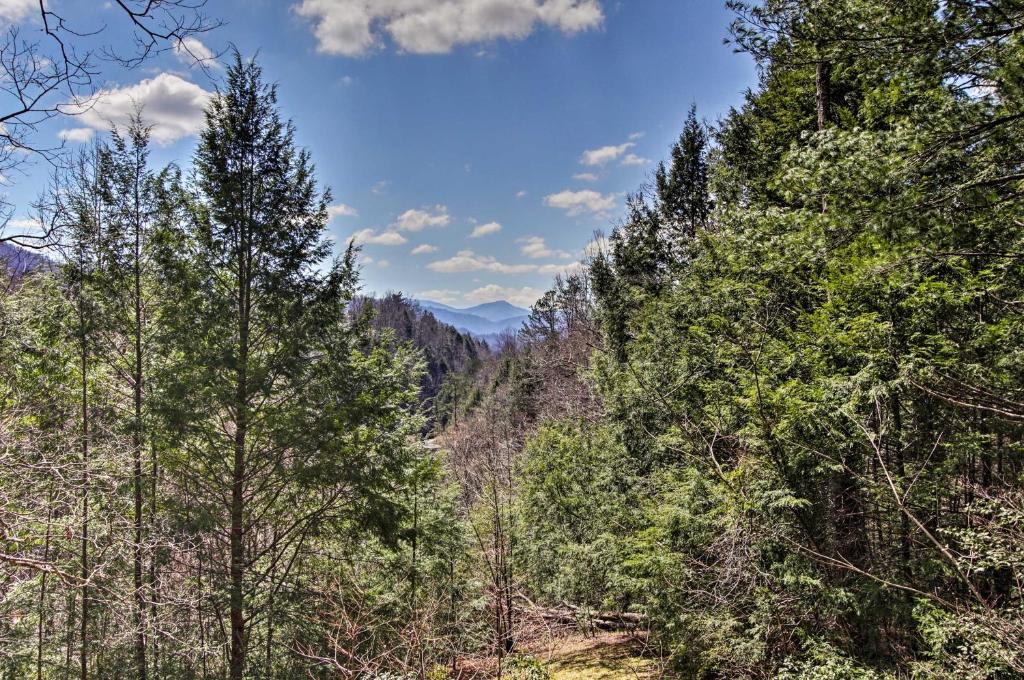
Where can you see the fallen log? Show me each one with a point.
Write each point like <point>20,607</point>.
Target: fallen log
<point>571,615</point>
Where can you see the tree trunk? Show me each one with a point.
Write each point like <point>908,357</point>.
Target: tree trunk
<point>70,635</point>
<point>42,589</point>
<point>823,92</point>
<point>83,651</point>
<point>237,568</point>
<point>138,556</point>
<point>154,594</point>
<point>237,548</point>
<point>901,474</point>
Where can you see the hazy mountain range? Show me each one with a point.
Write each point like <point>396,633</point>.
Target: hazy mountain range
<point>486,322</point>
<point>20,261</point>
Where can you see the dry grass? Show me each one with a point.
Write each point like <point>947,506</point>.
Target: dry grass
<point>569,655</point>
<point>610,656</point>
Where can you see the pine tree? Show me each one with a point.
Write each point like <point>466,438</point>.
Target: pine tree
<point>125,293</point>
<point>256,230</point>
<point>683,193</point>
<point>80,207</point>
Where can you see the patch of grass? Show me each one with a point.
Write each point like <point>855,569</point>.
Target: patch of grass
<point>605,657</point>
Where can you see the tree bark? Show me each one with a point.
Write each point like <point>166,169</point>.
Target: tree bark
<point>137,443</point>
<point>823,93</point>
<point>83,652</point>
<point>42,589</point>
<point>237,568</point>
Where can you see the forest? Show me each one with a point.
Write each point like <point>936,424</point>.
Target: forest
<point>772,427</point>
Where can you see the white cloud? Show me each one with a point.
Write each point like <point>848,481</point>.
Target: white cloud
<point>24,225</point>
<point>521,194</point>
<point>553,269</point>
<point>384,264</point>
<point>387,238</point>
<point>424,249</point>
<point>13,11</point>
<point>586,177</point>
<point>191,51</point>
<point>485,229</point>
<point>418,220</point>
<point>172,106</point>
<point>78,135</point>
<point>444,296</point>
<point>605,154</point>
<point>577,203</point>
<point>341,210</point>
<point>523,297</point>
<point>535,248</point>
<point>468,261</point>
<point>633,159</point>
<point>381,187</point>
<point>357,27</point>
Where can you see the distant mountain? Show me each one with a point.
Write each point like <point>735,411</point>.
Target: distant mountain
<point>19,261</point>
<point>445,349</point>
<point>486,322</point>
<point>427,304</point>
<point>497,311</point>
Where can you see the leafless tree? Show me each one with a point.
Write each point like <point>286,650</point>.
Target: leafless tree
<point>50,67</point>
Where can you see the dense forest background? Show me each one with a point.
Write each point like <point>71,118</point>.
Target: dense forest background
<point>774,425</point>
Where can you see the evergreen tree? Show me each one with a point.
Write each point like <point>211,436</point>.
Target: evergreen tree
<point>125,291</point>
<point>682,190</point>
<point>259,310</point>
<point>82,209</point>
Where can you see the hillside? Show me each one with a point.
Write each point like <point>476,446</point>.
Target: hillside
<point>772,425</point>
<point>20,261</point>
<point>445,349</point>
<point>488,322</point>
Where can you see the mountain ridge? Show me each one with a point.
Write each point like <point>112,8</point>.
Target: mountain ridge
<point>19,262</point>
<point>486,321</point>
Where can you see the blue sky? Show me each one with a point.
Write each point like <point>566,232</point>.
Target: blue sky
<point>489,137</point>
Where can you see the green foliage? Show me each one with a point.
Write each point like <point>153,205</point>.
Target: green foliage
<point>574,507</point>
<point>201,444</point>
<point>521,667</point>
<point>823,662</point>
<point>778,419</point>
<point>961,648</point>
<point>805,391</point>
<point>447,353</point>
